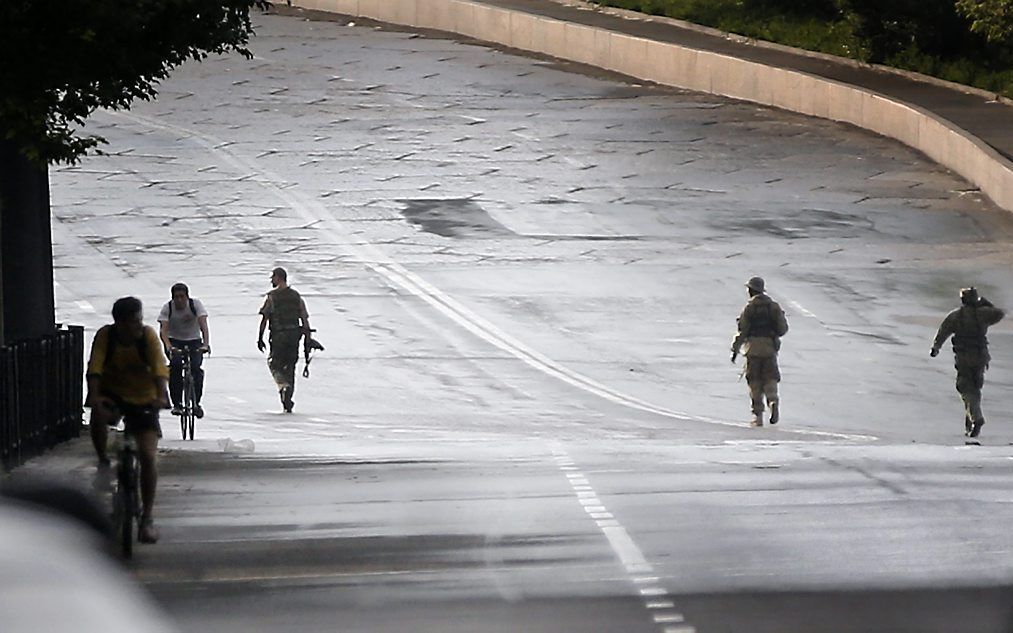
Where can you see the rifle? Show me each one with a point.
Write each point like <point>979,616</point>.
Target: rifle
<point>309,344</point>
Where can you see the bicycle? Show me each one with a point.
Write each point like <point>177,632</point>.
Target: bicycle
<point>187,416</point>
<point>127,507</point>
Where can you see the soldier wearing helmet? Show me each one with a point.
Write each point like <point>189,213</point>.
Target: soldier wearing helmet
<point>968,326</point>
<point>760,328</point>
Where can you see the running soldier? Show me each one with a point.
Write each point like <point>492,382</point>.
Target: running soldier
<point>968,326</point>
<point>285,311</point>
<point>760,327</point>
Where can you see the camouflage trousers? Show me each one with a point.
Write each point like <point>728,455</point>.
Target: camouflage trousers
<point>283,357</point>
<point>762,376</point>
<point>970,380</point>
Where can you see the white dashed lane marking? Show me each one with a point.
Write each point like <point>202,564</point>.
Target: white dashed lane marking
<point>656,599</point>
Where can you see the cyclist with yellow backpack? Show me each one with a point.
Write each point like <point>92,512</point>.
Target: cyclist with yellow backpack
<point>128,380</point>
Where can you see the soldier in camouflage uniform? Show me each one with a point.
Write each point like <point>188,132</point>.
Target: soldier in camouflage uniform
<point>968,326</point>
<point>760,327</point>
<point>285,311</point>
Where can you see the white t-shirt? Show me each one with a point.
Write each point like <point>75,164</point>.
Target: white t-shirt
<point>183,323</point>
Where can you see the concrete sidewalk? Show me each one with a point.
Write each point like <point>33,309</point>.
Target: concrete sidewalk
<point>71,463</point>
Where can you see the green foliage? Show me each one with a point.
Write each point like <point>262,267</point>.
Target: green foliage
<point>933,26</point>
<point>991,18</point>
<point>934,37</point>
<point>60,61</point>
<point>810,24</point>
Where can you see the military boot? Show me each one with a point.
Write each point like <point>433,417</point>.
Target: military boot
<point>775,412</point>
<point>757,420</point>
<point>286,399</point>
<point>976,429</point>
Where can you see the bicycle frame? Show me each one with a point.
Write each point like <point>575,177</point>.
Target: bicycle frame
<point>127,507</point>
<point>186,418</point>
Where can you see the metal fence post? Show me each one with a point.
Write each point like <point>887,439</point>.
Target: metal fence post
<point>41,393</point>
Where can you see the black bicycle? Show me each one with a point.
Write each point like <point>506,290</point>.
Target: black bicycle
<point>127,507</point>
<point>189,405</point>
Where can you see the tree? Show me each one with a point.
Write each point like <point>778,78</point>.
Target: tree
<point>64,60</point>
<point>890,28</point>
<point>59,62</point>
<point>991,18</point>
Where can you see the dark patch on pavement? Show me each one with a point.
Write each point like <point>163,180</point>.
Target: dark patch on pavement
<point>298,551</point>
<point>803,223</point>
<point>588,238</point>
<point>453,217</point>
<point>928,610</point>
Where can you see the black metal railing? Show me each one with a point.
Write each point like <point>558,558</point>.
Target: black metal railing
<point>41,394</point>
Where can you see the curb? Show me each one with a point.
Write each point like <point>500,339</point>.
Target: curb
<point>774,46</point>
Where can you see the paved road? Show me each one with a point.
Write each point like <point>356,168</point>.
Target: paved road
<point>527,278</point>
<point>980,112</point>
<point>498,540</point>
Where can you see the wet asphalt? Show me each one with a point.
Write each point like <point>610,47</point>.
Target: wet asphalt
<point>526,275</point>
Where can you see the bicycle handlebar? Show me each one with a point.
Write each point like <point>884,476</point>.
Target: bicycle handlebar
<point>203,349</point>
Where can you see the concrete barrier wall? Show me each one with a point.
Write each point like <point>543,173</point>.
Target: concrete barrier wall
<point>702,71</point>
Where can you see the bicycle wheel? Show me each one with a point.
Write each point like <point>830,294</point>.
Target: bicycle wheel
<point>191,396</point>
<point>184,417</point>
<point>182,422</point>
<point>119,515</point>
<point>127,502</point>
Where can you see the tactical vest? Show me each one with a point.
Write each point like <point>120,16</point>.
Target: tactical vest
<point>970,335</point>
<point>761,321</point>
<point>286,309</point>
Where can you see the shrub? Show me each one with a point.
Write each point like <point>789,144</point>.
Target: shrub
<point>926,36</point>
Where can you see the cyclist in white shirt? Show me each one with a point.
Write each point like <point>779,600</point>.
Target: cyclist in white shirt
<point>184,326</point>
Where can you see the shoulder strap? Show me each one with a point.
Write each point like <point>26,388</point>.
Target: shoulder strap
<point>193,308</point>
<point>110,345</point>
<point>142,348</point>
